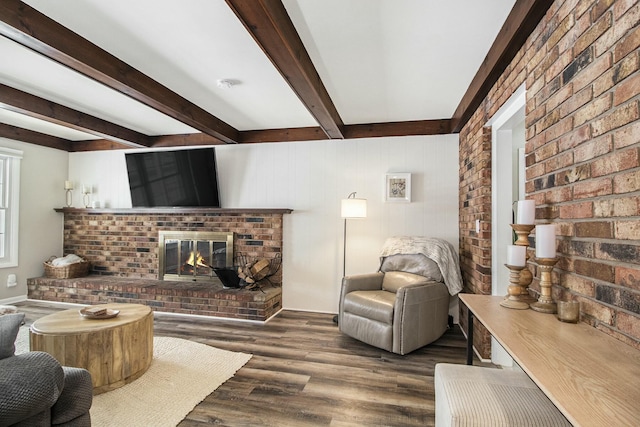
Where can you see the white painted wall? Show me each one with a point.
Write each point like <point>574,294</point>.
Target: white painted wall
<point>311,178</point>
<point>43,172</point>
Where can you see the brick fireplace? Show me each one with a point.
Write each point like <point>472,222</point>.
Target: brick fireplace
<point>122,247</point>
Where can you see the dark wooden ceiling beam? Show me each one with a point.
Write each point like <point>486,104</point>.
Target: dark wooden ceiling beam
<point>282,135</point>
<point>32,137</point>
<point>370,130</point>
<point>184,140</point>
<point>522,20</point>
<point>33,106</point>
<point>34,30</point>
<point>97,145</point>
<point>417,127</point>
<point>270,26</point>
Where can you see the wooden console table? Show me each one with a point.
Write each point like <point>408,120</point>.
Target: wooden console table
<point>592,378</point>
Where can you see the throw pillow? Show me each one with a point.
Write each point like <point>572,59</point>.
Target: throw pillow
<point>9,325</point>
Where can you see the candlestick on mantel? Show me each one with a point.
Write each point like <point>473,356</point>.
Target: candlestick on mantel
<point>86,190</point>
<point>68,187</point>
<point>526,212</point>
<point>546,241</point>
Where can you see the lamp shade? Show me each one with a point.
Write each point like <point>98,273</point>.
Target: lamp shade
<point>354,208</point>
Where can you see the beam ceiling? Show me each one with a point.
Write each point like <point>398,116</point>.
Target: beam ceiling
<point>39,108</point>
<point>34,30</point>
<point>523,19</point>
<point>270,26</point>
<point>32,137</point>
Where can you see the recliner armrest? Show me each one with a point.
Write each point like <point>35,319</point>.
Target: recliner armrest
<point>362,282</point>
<point>416,293</point>
<point>30,383</point>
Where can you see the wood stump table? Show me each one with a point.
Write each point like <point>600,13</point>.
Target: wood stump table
<point>116,350</point>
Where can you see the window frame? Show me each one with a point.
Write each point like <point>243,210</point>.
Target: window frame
<point>10,203</point>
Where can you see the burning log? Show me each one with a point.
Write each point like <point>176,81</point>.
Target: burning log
<point>196,260</point>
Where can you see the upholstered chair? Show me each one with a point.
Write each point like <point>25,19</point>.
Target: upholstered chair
<point>394,310</point>
<point>35,390</point>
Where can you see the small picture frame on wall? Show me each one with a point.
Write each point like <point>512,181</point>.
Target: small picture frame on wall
<point>397,187</point>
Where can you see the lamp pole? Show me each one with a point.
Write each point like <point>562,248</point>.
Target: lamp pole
<point>351,207</point>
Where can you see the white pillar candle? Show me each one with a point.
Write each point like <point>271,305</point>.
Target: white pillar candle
<point>546,241</point>
<point>516,255</point>
<point>68,185</point>
<point>526,212</point>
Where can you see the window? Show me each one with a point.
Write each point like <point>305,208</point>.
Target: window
<point>9,206</point>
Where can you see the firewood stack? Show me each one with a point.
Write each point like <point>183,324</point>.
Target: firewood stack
<point>252,272</point>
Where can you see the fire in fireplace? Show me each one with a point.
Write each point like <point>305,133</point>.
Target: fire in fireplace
<point>192,255</point>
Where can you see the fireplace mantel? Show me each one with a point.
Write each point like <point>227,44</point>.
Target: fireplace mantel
<point>177,210</point>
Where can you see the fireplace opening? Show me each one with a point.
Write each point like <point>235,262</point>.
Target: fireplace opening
<point>193,255</point>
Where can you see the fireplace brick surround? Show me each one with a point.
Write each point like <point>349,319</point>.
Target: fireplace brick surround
<point>122,247</point>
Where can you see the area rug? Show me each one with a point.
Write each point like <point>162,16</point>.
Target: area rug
<point>181,375</point>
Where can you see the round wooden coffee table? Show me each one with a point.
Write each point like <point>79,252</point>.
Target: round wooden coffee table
<point>116,351</point>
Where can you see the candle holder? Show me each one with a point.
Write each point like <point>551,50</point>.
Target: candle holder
<point>523,231</point>
<point>68,186</point>
<point>545,303</point>
<point>515,298</point>
<point>86,198</point>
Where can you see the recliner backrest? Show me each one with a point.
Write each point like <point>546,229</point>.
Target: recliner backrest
<point>412,263</point>
<point>394,280</point>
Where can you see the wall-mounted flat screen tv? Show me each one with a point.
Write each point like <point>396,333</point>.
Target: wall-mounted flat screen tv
<point>180,178</point>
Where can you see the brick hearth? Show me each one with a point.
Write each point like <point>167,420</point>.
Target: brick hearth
<point>207,299</point>
<point>122,247</point>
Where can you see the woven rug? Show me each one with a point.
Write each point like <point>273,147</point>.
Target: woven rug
<point>181,375</point>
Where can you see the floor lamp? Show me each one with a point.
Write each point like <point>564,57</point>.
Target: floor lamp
<point>351,208</point>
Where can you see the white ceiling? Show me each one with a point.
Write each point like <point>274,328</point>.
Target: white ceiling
<point>380,60</point>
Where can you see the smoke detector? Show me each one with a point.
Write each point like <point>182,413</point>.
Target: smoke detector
<point>225,84</point>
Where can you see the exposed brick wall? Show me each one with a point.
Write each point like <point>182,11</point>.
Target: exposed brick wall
<point>126,243</point>
<point>580,66</point>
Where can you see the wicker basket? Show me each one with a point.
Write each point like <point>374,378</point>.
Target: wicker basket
<point>78,269</point>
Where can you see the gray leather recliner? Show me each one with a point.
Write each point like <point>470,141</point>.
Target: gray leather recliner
<point>396,311</point>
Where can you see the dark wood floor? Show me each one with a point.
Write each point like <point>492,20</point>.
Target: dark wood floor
<point>304,372</point>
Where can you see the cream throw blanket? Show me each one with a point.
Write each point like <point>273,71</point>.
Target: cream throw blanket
<point>439,250</point>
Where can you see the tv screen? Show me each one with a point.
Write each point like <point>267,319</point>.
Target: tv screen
<point>173,178</point>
